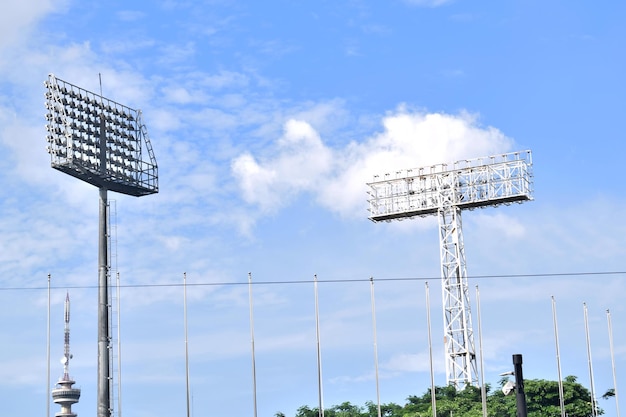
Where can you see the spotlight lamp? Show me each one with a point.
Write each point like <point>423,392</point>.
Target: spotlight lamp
<point>98,140</point>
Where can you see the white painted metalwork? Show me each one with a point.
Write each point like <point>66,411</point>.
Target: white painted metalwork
<point>445,190</point>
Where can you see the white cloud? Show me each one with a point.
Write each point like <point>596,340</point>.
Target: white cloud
<point>427,3</point>
<point>500,224</point>
<point>413,362</point>
<point>18,17</point>
<point>338,177</point>
<point>301,163</point>
<point>130,15</point>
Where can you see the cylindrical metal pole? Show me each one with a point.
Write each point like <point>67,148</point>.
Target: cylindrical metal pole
<point>48,356</point>
<point>375,347</point>
<point>320,390</point>
<point>520,395</point>
<point>483,389</point>
<point>594,409</point>
<point>608,319</point>
<point>186,343</point>
<point>104,397</point>
<point>254,399</point>
<point>119,348</point>
<point>433,397</point>
<point>558,358</point>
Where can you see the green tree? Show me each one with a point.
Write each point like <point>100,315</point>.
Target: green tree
<point>386,410</point>
<point>344,410</point>
<point>305,411</point>
<point>542,398</point>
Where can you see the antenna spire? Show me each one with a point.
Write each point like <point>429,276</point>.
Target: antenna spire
<point>66,348</point>
<point>64,394</point>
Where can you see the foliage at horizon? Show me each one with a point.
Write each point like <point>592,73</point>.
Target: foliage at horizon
<point>542,399</point>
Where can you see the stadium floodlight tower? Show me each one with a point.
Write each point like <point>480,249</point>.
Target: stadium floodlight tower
<point>106,144</point>
<point>445,191</point>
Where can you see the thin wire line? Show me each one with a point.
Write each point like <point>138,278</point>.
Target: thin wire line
<point>330,281</point>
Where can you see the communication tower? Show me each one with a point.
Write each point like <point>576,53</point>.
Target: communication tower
<point>445,190</point>
<point>105,144</point>
<point>64,394</point>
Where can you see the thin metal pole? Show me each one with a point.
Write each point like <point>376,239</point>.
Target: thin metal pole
<point>319,351</point>
<point>119,349</point>
<point>433,397</point>
<point>608,319</point>
<point>48,355</point>
<point>558,358</point>
<point>375,345</point>
<point>483,389</point>
<point>252,341</point>
<point>186,342</point>
<point>104,394</point>
<point>591,384</point>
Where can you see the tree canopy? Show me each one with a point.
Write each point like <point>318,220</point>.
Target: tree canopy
<point>542,398</point>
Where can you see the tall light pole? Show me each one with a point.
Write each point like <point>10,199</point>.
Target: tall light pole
<point>105,144</point>
<point>445,190</point>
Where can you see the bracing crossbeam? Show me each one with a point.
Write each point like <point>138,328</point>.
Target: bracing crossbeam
<point>445,191</point>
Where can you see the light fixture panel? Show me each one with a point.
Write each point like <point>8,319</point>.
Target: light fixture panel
<point>98,140</point>
<point>467,184</point>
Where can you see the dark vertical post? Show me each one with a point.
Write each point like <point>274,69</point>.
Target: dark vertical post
<point>520,396</point>
<point>104,397</point>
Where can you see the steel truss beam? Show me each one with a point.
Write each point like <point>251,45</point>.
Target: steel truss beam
<point>459,337</point>
<point>445,191</point>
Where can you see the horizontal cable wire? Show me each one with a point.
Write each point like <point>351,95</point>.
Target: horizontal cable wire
<point>330,281</point>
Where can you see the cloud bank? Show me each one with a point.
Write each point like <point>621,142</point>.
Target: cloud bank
<point>301,162</point>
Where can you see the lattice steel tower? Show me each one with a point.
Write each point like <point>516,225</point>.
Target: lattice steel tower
<point>445,191</point>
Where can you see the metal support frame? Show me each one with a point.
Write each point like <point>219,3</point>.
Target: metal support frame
<point>459,336</point>
<point>445,190</point>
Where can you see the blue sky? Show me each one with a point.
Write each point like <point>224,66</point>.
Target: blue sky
<point>267,119</point>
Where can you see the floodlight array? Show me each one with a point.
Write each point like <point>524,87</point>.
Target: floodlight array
<point>467,184</point>
<point>98,140</point>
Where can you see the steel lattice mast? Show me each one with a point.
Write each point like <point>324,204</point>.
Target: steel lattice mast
<point>445,191</point>
<point>105,144</point>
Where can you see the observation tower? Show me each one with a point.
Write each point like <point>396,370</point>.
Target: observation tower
<point>64,394</point>
<point>445,191</point>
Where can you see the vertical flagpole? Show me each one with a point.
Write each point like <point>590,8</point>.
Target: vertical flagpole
<point>558,358</point>
<point>252,342</point>
<point>48,355</point>
<point>433,398</point>
<point>186,341</point>
<point>608,319</point>
<point>375,344</point>
<point>591,384</point>
<point>119,349</point>
<point>483,390</point>
<point>320,392</point>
